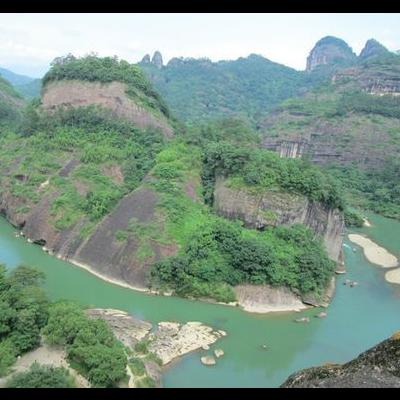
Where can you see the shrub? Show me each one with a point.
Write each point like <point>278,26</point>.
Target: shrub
<point>42,376</point>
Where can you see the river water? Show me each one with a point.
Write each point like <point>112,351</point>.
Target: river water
<point>358,317</point>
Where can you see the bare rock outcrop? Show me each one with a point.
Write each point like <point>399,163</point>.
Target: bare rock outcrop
<point>329,51</point>
<point>264,299</point>
<point>373,48</point>
<point>271,208</point>
<point>126,328</point>
<point>112,96</point>
<point>172,339</point>
<point>378,367</point>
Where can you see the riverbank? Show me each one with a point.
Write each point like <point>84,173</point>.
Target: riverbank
<point>260,350</point>
<point>258,299</point>
<point>373,252</point>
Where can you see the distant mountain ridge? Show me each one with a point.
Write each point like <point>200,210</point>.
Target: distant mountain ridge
<point>201,89</point>
<point>27,86</point>
<point>249,87</point>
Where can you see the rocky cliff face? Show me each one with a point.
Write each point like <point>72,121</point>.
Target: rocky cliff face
<point>100,251</point>
<point>109,95</point>
<point>264,299</point>
<point>329,51</point>
<point>373,49</point>
<point>378,367</point>
<point>374,80</point>
<point>270,208</point>
<point>157,59</point>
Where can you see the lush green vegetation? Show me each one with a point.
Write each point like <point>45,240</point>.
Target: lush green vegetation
<point>91,346</point>
<point>358,101</point>
<point>23,313</point>
<point>217,254</point>
<point>146,382</point>
<point>9,112</point>
<point>377,190</point>
<point>31,89</point>
<point>137,366</point>
<point>42,376</point>
<point>353,218</point>
<point>339,118</point>
<point>113,156</point>
<point>233,130</point>
<point>263,169</point>
<point>222,254</point>
<point>198,89</point>
<point>107,69</point>
<point>26,315</point>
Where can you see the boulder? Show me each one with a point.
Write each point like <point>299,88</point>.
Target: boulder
<point>218,353</point>
<point>208,360</point>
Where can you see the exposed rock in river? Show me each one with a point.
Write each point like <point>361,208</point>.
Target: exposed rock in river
<point>168,341</point>
<point>208,360</point>
<point>265,298</point>
<point>126,328</point>
<point>172,339</point>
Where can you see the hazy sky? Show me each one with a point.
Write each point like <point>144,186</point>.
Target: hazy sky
<point>29,42</point>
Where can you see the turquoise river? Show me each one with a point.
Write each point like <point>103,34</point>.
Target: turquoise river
<point>358,317</point>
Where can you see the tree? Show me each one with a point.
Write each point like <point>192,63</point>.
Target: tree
<point>42,376</point>
<point>8,354</point>
<point>66,319</point>
<point>26,333</point>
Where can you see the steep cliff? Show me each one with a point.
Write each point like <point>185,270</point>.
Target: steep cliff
<point>373,48</point>
<point>378,367</point>
<point>352,120</point>
<point>75,178</point>
<point>273,208</point>
<point>112,96</point>
<point>330,51</point>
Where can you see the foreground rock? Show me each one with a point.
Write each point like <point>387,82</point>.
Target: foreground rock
<point>378,367</point>
<point>172,339</point>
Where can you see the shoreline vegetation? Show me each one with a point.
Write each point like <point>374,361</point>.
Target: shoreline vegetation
<point>253,309</point>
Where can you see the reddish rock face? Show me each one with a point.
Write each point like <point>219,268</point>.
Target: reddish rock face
<point>108,95</point>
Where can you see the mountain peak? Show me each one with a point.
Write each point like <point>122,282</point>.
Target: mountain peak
<point>157,59</point>
<point>373,48</point>
<point>146,59</point>
<point>330,50</point>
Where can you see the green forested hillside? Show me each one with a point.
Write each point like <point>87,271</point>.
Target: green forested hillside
<point>352,127</point>
<point>198,89</point>
<point>10,104</point>
<point>81,162</point>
